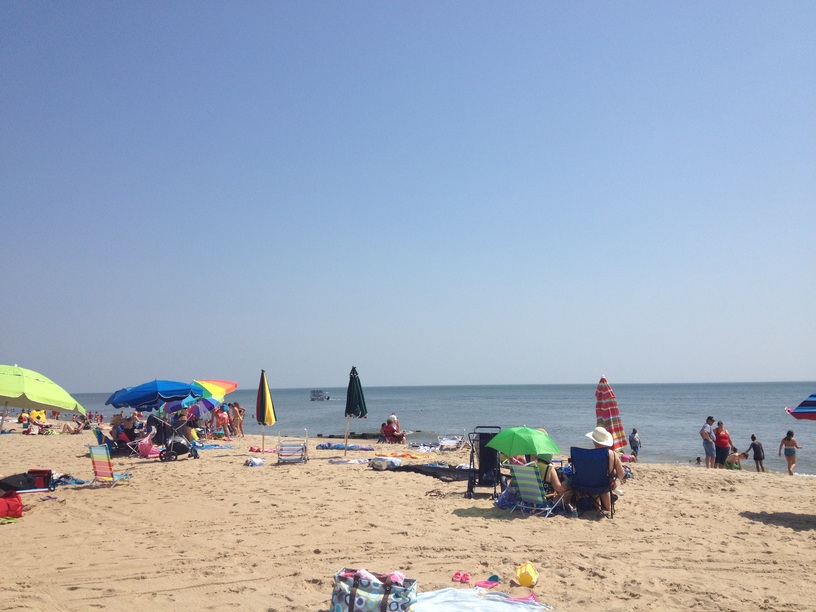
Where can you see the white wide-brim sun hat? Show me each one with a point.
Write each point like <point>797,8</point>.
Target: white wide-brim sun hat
<point>600,436</point>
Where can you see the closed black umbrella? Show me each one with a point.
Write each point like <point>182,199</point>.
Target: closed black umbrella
<point>355,401</point>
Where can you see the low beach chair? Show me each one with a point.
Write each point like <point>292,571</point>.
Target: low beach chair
<point>534,498</point>
<point>591,478</point>
<point>103,468</point>
<point>293,449</point>
<point>452,439</point>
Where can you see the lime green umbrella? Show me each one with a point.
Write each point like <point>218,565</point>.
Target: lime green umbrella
<point>523,441</point>
<point>31,390</point>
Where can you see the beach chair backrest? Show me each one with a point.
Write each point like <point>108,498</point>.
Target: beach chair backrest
<point>102,466</point>
<point>528,483</point>
<point>293,449</point>
<point>591,469</point>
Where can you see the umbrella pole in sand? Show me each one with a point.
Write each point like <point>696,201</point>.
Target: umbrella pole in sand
<point>3,418</point>
<point>345,444</point>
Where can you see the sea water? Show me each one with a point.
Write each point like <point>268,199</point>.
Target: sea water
<point>668,417</point>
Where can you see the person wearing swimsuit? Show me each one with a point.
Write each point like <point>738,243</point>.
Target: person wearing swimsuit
<point>238,419</point>
<point>790,445</point>
<point>723,444</point>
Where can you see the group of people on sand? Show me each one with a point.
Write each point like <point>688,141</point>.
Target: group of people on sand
<point>722,453</point>
<point>229,419</point>
<point>601,438</point>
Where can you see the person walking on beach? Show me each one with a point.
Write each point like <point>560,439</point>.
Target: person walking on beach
<point>790,446</point>
<point>759,453</point>
<point>723,445</point>
<point>634,442</point>
<point>707,434</point>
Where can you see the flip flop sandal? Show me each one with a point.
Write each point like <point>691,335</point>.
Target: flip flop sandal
<point>435,493</point>
<point>457,577</point>
<point>465,578</point>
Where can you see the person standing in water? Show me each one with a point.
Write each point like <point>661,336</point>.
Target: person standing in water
<point>634,442</point>
<point>759,453</point>
<point>790,445</point>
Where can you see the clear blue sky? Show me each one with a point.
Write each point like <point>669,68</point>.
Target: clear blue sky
<point>435,192</point>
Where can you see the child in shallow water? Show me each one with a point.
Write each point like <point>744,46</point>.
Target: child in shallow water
<point>790,445</point>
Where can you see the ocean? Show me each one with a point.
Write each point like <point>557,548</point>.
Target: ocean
<point>668,417</point>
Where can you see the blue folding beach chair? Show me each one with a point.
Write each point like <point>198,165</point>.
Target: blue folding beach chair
<point>591,478</point>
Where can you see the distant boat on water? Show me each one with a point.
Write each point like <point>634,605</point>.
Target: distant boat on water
<point>318,395</point>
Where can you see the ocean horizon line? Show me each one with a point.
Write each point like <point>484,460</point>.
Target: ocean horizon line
<point>482,385</point>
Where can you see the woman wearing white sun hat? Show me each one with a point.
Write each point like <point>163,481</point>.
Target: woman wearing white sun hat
<point>601,438</point>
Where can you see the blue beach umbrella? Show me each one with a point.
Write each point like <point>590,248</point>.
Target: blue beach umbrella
<point>149,395</point>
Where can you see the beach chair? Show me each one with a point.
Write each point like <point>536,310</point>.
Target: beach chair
<point>101,438</point>
<point>452,439</point>
<point>534,497</point>
<point>484,461</point>
<point>103,468</point>
<point>293,449</point>
<point>591,478</point>
<point>125,444</point>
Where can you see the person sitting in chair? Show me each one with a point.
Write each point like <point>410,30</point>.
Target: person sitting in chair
<point>391,434</point>
<point>601,438</point>
<point>549,476</point>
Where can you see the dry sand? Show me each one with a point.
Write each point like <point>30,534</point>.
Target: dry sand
<point>214,534</point>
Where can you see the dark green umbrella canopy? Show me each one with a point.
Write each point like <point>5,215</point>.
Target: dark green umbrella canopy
<point>355,401</point>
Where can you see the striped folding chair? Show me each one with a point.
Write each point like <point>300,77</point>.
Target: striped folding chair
<point>293,449</point>
<point>533,495</point>
<point>103,468</point>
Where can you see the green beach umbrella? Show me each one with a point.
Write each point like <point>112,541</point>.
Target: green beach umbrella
<point>30,390</point>
<point>355,401</point>
<point>523,441</point>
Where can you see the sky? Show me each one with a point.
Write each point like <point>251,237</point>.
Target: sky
<point>438,193</point>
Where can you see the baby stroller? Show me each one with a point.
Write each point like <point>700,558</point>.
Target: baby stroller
<point>177,445</point>
<point>174,442</point>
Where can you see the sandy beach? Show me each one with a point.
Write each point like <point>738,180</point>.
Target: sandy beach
<point>215,534</point>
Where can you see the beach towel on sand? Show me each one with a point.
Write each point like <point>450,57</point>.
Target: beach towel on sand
<point>455,600</point>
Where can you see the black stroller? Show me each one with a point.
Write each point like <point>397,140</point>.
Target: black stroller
<point>174,442</point>
<point>484,461</point>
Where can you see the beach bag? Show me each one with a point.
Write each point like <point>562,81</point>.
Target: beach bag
<point>362,591</point>
<point>11,506</point>
<point>527,575</point>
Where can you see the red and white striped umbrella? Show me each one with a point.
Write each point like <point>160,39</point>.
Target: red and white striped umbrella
<point>608,415</point>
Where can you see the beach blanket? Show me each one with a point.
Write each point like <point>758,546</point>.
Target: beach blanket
<point>454,600</point>
<point>338,446</point>
<point>200,446</point>
<point>444,473</point>
<point>406,455</point>
<point>338,461</point>
<point>257,449</point>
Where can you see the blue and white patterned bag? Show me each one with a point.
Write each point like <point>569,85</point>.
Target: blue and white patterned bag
<point>356,591</point>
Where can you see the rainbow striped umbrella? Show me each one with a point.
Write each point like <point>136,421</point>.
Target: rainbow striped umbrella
<point>806,410</point>
<point>217,388</point>
<point>608,415</point>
